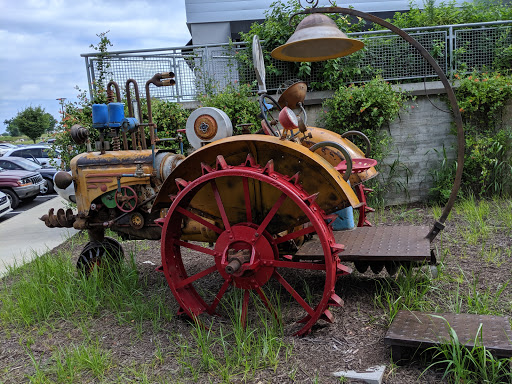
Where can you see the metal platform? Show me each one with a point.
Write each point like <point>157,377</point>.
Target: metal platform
<point>423,330</point>
<point>384,243</point>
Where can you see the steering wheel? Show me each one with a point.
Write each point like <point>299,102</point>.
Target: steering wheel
<point>265,111</point>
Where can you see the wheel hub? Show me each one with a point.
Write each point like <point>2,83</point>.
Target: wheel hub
<point>244,256</point>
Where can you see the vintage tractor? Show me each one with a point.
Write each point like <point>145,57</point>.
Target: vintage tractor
<point>239,212</point>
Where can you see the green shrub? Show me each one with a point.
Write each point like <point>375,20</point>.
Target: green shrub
<point>488,144</point>
<point>366,108</point>
<point>238,102</point>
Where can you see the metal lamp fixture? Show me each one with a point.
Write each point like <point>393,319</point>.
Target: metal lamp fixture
<point>316,38</point>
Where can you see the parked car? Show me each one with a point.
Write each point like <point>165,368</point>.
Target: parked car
<point>5,204</point>
<point>4,147</point>
<point>38,152</point>
<point>13,163</point>
<point>20,185</point>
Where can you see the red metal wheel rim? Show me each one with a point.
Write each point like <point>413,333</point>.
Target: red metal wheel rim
<point>266,263</point>
<point>126,199</point>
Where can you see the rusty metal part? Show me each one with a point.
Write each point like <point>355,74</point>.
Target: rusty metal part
<point>439,225</point>
<point>101,171</point>
<point>293,95</point>
<point>131,114</point>
<point>95,253</point>
<point>205,127</point>
<point>136,220</point>
<point>333,156</point>
<point>63,219</point>
<point>236,259</point>
<point>195,231</point>
<point>423,330</point>
<point>342,149</point>
<point>79,134</point>
<point>264,112</point>
<point>63,179</point>
<point>248,234</point>
<point>110,94</point>
<point>380,244</point>
<point>159,79</point>
<point>368,145</point>
<point>316,38</point>
<point>126,199</point>
<point>285,157</point>
<point>116,143</point>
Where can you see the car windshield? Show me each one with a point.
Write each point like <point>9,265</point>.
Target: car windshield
<point>27,164</point>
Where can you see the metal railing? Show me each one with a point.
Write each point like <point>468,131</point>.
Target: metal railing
<point>210,68</point>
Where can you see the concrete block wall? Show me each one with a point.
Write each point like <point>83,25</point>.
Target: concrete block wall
<point>418,137</point>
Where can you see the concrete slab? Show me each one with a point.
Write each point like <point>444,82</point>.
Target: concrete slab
<point>24,236</point>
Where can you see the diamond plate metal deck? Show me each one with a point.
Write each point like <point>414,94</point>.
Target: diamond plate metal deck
<point>423,330</point>
<point>397,243</point>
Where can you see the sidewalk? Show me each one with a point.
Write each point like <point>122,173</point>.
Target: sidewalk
<point>24,236</point>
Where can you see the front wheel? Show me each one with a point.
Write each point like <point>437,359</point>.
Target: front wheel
<point>108,253</point>
<point>48,187</point>
<point>13,198</point>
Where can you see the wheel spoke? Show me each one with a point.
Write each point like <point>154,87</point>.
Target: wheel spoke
<point>218,297</point>
<point>245,305</point>
<point>195,247</point>
<point>298,265</point>
<point>294,235</point>
<point>247,198</point>
<point>294,293</point>
<point>272,213</point>
<point>199,219</point>
<point>197,276</point>
<point>220,205</point>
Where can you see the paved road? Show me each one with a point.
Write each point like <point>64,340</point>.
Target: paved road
<point>23,236</point>
<point>25,206</point>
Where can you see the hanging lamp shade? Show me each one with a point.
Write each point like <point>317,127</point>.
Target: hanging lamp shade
<point>316,38</point>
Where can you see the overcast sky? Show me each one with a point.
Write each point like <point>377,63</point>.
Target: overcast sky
<point>41,42</point>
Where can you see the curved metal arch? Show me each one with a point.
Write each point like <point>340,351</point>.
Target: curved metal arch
<point>438,225</point>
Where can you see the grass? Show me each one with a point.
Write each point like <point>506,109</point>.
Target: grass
<point>409,290</point>
<point>221,350</point>
<point>63,293</point>
<point>469,364</point>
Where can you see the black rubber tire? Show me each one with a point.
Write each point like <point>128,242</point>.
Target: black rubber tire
<point>94,252</point>
<point>13,197</point>
<point>49,186</point>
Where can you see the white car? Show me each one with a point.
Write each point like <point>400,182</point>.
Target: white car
<point>38,152</point>
<point>5,204</point>
<point>4,147</point>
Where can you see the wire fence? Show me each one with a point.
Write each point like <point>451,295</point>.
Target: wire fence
<point>211,68</point>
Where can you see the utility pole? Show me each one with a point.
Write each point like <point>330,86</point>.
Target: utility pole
<point>61,99</point>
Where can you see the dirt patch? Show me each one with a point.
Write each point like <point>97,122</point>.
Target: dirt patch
<point>354,341</point>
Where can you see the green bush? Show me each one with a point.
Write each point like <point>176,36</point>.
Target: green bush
<point>427,13</point>
<point>488,144</point>
<point>366,108</point>
<point>238,102</point>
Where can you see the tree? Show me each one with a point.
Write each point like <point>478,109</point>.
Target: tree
<point>33,122</point>
<point>12,128</point>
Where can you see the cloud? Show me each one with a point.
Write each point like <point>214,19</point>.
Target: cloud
<point>41,43</point>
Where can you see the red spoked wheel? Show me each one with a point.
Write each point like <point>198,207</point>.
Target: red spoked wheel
<point>245,254</point>
<point>126,199</point>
